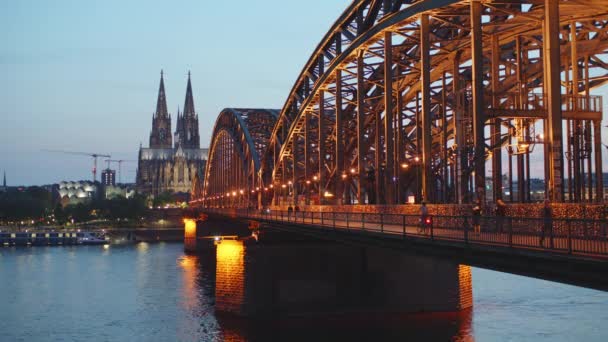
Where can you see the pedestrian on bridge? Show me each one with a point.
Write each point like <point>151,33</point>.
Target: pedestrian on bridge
<point>477,218</point>
<point>547,228</point>
<point>424,215</point>
<point>500,212</point>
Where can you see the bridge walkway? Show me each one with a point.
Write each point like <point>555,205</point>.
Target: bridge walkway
<point>577,237</point>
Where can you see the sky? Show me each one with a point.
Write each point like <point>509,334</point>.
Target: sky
<point>81,75</point>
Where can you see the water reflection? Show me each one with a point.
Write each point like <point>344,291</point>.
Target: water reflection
<point>190,289</point>
<point>152,292</point>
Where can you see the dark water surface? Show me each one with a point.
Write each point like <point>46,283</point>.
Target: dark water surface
<point>153,292</point>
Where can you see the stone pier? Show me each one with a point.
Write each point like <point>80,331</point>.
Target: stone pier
<point>255,279</point>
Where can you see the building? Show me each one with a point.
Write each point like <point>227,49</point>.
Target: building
<point>76,192</point>
<point>166,165</point>
<point>118,191</point>
<point>108,177</point>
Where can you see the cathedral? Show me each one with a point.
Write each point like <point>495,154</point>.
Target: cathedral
<point>171,163</point>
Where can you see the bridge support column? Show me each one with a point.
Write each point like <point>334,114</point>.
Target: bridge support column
<point>322,138</point>
<point>496,127</point>
<point>360,127</point>
<point>461,178</point>
<point>599,182</point>
<point>552,68</point>
<point>308,278</point>
<point>478,103</point>
<point>321,127</point>
<point>307,155</point>
<point>399,144</point>
<point>389,173</point>
<point>339,152</point>
<point>428,190</point>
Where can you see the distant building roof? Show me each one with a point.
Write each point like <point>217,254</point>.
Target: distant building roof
<point>168,153</point>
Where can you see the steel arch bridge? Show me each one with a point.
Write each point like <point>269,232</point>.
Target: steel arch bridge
<point>239,140</point>
<point>430,99</point>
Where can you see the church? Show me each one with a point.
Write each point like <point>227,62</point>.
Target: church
<point>171,163</point>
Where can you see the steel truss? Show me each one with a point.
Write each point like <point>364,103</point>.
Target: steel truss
<point>427,99</point>
<point>239,139</point>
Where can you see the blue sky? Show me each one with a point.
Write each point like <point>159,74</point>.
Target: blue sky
<point>83,75</point>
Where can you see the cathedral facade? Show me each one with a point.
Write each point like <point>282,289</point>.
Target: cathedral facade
<point>171,163</point>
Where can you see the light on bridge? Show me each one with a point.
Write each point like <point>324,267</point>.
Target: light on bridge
<point>405,165</point>
<point>353,171</point>
<point>189,228</point>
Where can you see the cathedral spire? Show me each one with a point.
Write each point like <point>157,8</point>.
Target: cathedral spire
<point>4,180</point>
<point>189,103</point>
<point>160,137</point>
<point>161,103</point>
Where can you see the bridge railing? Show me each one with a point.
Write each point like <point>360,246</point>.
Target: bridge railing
<point>564,235</point>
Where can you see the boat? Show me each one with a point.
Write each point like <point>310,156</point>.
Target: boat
<point>88,238</point>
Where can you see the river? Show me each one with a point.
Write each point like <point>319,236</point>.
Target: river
<point>154,292</point>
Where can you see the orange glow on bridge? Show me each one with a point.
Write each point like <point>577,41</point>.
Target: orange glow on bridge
<point>189,228</point>
<point>230,275</point>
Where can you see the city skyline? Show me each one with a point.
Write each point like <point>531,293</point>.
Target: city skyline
<point>84,76</point>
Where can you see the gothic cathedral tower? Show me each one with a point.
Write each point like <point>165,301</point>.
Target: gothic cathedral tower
<point>186,132</point>
<point>160,137</point>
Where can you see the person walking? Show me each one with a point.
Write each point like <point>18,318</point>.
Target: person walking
<point>500,212</point>
<point>289,212</point>
<point>477,218</point>
<point>424,214</point>
<point>547,228</point>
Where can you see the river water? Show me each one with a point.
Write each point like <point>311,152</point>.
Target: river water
<point>153,292</point>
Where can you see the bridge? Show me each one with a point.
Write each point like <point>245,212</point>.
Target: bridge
<point>452,103</point>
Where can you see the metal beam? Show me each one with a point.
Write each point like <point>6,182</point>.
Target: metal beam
<point>360,126</point>
<point>551,45</point>
<point>389,174</point>
<point>425,70</point>
<point>478,101</point>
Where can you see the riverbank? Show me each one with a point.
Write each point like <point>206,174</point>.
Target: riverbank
<point>47,236</point>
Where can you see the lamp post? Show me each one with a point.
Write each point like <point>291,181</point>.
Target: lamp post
<point>418,191</point>
<point>307,192</point>
<point>343,190</point>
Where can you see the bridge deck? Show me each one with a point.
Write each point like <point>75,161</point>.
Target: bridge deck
<point>574,251</point>
<point>568,236</point>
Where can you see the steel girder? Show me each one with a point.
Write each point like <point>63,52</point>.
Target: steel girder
<point>239,139</point>
<point>460,79</point>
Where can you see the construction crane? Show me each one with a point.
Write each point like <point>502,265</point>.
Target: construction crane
<point>94,155</point>
<point>119,161</point>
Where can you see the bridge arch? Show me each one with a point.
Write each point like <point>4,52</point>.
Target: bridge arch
<point>239,138</point>
<point>465,83</point>
<point>421,98</point>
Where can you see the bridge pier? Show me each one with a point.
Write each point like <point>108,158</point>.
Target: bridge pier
<point>199,235</point>
<point>254,279</point>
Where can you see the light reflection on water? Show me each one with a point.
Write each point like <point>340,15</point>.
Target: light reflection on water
<point>153,292</point>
